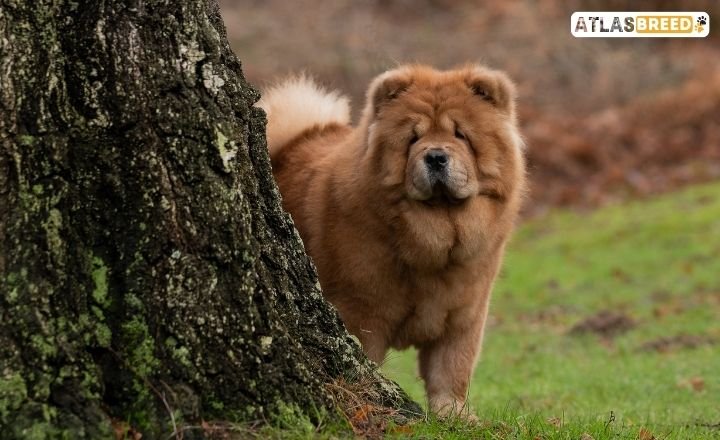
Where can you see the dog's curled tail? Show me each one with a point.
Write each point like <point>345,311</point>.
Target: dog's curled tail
<point>297,104</point>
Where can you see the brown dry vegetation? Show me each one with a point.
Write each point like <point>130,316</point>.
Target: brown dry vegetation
<point>604,118</point>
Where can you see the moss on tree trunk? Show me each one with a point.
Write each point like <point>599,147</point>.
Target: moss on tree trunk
<point>146,266</point>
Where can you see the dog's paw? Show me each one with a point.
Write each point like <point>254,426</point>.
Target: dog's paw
<point>449,408</point>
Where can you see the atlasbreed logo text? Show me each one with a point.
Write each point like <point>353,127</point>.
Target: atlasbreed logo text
<point>640,24</point>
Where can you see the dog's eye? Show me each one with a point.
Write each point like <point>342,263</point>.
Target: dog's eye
<point>483,93</point>
<point>414,138</point>
<point>460,135</point>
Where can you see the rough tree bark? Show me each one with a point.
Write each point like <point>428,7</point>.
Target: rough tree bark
<point>146,265</point>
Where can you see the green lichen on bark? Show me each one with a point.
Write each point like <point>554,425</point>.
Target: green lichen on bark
<point>146,262</point>
<point>99,275</point>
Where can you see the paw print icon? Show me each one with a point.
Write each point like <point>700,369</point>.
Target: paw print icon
<point>700,23</point>
<point>702,20</point>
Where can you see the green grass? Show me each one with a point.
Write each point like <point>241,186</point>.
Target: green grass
<point>656,261</point>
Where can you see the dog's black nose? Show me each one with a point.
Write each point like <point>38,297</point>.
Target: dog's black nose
<point>436,160</point>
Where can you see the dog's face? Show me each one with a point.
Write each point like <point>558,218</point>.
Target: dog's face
<point>440,165</point>
<point>445,141</point>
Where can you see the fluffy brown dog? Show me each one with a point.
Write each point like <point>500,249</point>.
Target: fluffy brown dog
<point>407,214</point>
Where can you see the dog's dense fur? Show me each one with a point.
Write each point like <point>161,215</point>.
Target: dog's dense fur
<point>407,214</point>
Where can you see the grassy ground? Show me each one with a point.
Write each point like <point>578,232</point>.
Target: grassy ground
<point>648,366</point>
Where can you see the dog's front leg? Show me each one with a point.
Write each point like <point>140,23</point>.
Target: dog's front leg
<point>447,365</point>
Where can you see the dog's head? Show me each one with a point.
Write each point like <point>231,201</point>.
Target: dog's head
<point>454,129</point>
<point>444,139</point>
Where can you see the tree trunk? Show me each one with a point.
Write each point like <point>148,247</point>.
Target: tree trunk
<point>147,271</point>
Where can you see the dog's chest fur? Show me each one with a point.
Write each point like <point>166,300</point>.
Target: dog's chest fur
<point>430,304</point>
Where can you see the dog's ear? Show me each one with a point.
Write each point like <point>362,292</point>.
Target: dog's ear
<point>492,86</point>
<point>386,87</point>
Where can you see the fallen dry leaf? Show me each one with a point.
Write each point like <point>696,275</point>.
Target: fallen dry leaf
<point>586,436</point>
<point>667,309</point>
<point>555,421</point>
<point>123,431</point>
<point>402,429</point>
<point>697,383</point>
<point>644,434</point>
<point>367,422</point>
<point>361,415</point>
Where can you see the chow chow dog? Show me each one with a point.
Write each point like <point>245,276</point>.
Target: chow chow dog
<point>407,213</point>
